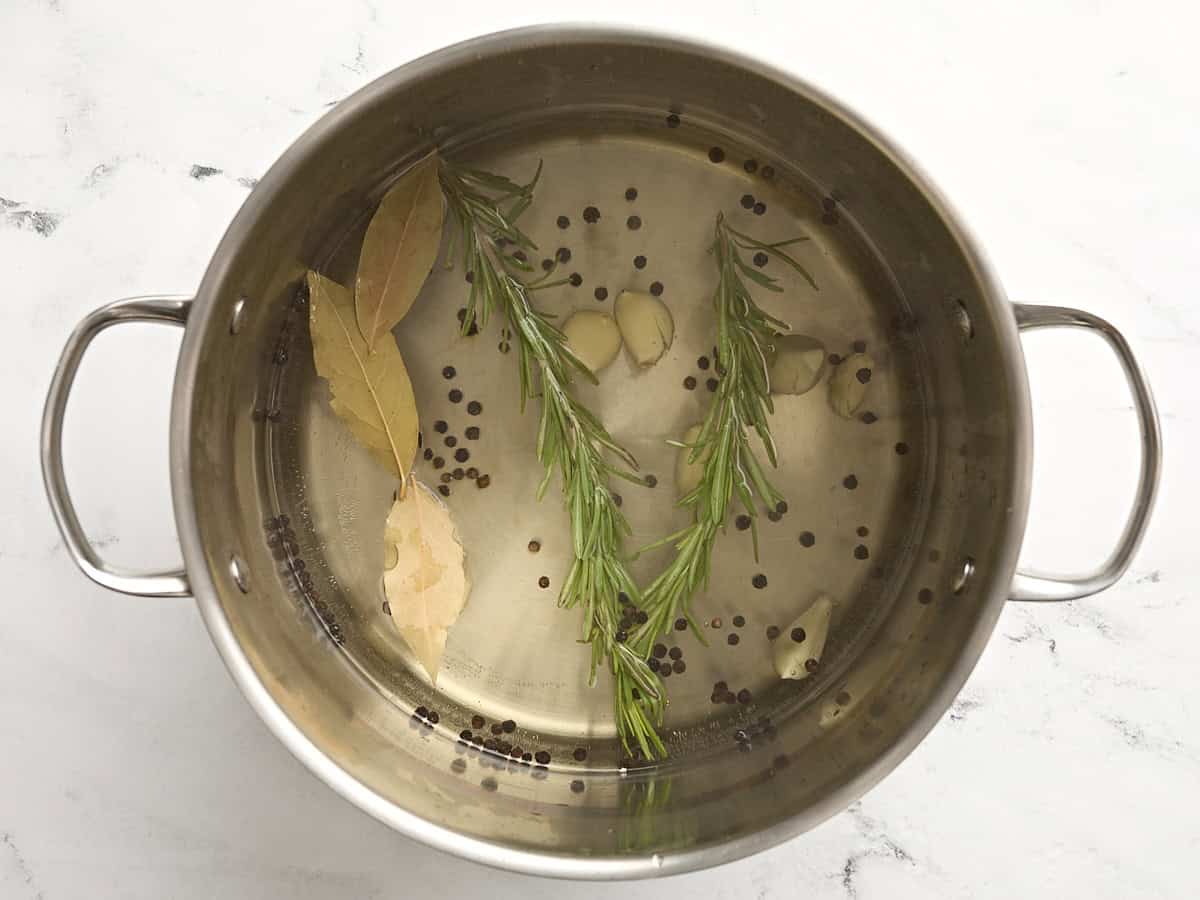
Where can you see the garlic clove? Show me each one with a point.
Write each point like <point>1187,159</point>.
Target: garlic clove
<point>791,656</point>
<point>646,325</point>
<point>593,337</point>
<point>688,472</point>
<point>848,386</point>
<point>795,364</point>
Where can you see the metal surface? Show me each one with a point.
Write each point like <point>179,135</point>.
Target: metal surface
<point>1039,586</point>
<point>279,513</point>
<point>164,309</point>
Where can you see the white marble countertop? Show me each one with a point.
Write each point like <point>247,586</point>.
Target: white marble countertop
<point>129,764</point>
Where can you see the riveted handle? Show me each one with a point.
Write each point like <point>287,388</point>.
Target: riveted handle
<point>1043,587</point>
<point>165,309</point>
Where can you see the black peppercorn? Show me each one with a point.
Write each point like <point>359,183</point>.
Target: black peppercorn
<point>733,640</point>
<point>451,440</point>
<point>474,408</point>
<point>472,433</point>
<point>681,624</point>
<point>601,293</point>
<point>716,155</point>
<point>850,482</point>
<point>759,581</point>
<point>807,538</point>
<point>772,632</point>
<point>633,223</point>
<point>440,426</point>
<point>591,215</point>
<point>544,582</point>
<point>675,653</point>
<point>576,279</point>
<point>739,621</point>
<point>448,372</point>
<point>639,262</point>
<point>760,208</point>
<point>462,454</point>
<point>689,383</point>
<point>563,222</point>
<point>747,201</point>
<point>656,288</point>
<point>742,522</point>
<point>659,651</point>
<point>456,396</point>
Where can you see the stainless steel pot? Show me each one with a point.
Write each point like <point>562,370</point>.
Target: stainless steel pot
<point>965,502</point>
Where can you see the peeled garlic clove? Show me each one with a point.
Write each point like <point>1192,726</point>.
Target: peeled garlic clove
<point>812,628</point>
<point>848,386</point>
<point>796,364</point>
<point>646,325</point>
<point>688,472</point>
<point>593,337</point>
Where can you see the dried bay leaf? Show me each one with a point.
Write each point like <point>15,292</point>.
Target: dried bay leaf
<point>398,251</point>
<point>427,586</point>
<point>370,392</point>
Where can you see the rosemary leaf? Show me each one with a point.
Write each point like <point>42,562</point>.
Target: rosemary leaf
<point>731,470</point>
<point>570,440</point>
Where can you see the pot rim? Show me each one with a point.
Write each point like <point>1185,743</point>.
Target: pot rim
<point>991,591</point>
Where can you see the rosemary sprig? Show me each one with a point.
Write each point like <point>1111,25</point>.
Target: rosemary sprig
<point>742,402</point>
<point>570,439</point>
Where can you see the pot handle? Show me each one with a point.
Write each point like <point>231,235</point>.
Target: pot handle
<point>166,309</point>
<point>1033,586</point>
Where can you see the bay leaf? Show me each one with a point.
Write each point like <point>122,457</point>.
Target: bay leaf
<point>370,392</point>
<point>427,586</point>
<point>398,251</point>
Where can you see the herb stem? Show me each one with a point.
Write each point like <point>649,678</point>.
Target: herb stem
<point>571,441</point>
<point>742,402</point>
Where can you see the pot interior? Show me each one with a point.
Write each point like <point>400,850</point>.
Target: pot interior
<point>900,514</point>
